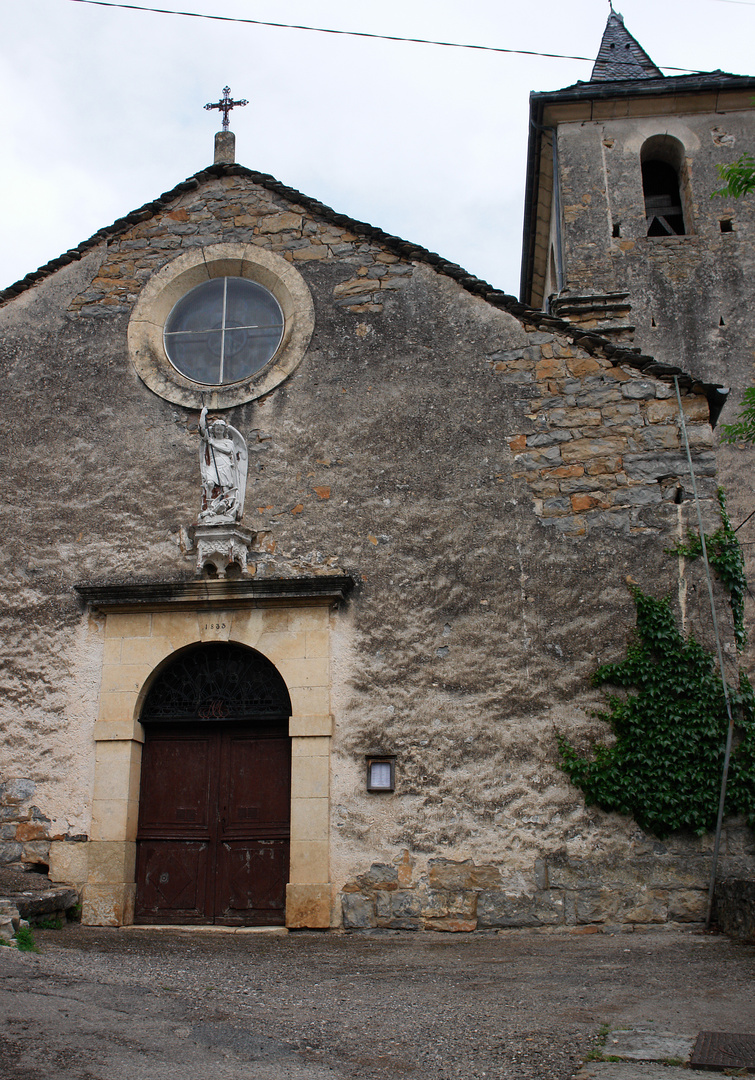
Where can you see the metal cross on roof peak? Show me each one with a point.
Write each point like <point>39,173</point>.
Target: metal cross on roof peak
<point>225,105</point>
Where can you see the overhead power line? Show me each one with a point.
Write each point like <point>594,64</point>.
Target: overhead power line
<point>345,33</point>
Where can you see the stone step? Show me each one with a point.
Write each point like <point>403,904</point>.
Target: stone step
<point>644,1053</point>
<point>631,1070</point>
<point>47,904</point>
<point>647,1044</point>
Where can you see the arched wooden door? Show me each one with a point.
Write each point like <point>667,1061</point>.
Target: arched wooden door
<point>215,797</point>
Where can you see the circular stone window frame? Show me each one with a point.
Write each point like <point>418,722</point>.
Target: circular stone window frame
<point>167,286</point>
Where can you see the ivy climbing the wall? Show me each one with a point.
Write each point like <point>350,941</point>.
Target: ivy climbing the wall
<point>726,558</point>
<point>664,769</point>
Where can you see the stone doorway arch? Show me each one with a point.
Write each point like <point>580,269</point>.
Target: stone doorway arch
<point>288,621</point>
<point>212,843</point>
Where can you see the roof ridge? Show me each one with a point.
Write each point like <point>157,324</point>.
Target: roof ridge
<point>266,180</point>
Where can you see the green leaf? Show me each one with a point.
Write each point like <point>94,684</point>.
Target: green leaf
<point>665,766</point>
<point>738,177</point>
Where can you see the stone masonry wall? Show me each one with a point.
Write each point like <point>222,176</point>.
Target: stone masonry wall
<point>607,446</point>
<point>688,297</point>
<point>489,481</point>
<point>734,908</point>
<point>655,884</point>
<point>222,211</point>
<point>25,833</point>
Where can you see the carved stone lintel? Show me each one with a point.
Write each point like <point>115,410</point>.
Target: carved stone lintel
<point>222,550</point>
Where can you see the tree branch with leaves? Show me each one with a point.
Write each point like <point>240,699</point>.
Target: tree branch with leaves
<point>738,177</point>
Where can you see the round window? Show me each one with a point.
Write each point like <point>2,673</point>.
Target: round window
<point>223,330</point>
<point>220,325</point>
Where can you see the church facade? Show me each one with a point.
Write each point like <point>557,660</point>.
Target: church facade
<point>316,542</point>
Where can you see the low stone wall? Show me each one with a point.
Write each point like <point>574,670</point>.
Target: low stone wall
<point>24,829</point>
<point>561,891</point>
<point>27,840</point>
<point>734,908</point>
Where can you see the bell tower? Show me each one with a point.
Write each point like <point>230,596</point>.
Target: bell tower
<point>623,233</point>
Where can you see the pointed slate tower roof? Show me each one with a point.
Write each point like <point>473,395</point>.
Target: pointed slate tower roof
<point>620,56</point>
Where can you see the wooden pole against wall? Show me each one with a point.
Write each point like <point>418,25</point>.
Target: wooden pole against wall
<point>730,731</point>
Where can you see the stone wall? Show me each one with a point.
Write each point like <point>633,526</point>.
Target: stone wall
<point>653,885</point>
<point>688,294</point>
<point>489,477</point>
<point>686,298</point>
<point>734,908</point>
<point>27,835</point>
<point>223,210</point>
<point>24,829</point>
<point>607,447</point>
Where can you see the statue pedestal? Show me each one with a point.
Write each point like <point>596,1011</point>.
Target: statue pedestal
<point>222,550</point>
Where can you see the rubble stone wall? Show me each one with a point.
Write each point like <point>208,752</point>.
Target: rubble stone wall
<point>689,293</point>
<point>24,829</point>
<point>664,883</point>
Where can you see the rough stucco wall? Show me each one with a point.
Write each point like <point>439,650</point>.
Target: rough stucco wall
<point>421,446</point>
<point>50,677</point>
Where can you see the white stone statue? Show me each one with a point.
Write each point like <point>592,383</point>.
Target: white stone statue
<point>223,460</point>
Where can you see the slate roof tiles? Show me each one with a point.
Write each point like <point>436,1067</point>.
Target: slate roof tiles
<point>620,56</point>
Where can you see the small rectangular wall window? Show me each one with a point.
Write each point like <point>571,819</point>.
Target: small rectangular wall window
<point>381,773</point>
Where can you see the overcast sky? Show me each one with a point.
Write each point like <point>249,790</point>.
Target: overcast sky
<point>102,108</point>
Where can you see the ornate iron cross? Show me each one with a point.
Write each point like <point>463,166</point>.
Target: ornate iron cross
<point>225,105</point>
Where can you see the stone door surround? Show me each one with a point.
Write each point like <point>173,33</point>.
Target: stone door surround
<point>288,621</point>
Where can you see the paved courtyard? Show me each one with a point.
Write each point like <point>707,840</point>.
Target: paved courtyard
<point>148,1004</point>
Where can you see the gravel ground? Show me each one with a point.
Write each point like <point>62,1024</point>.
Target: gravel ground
<point>156,1005</point>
